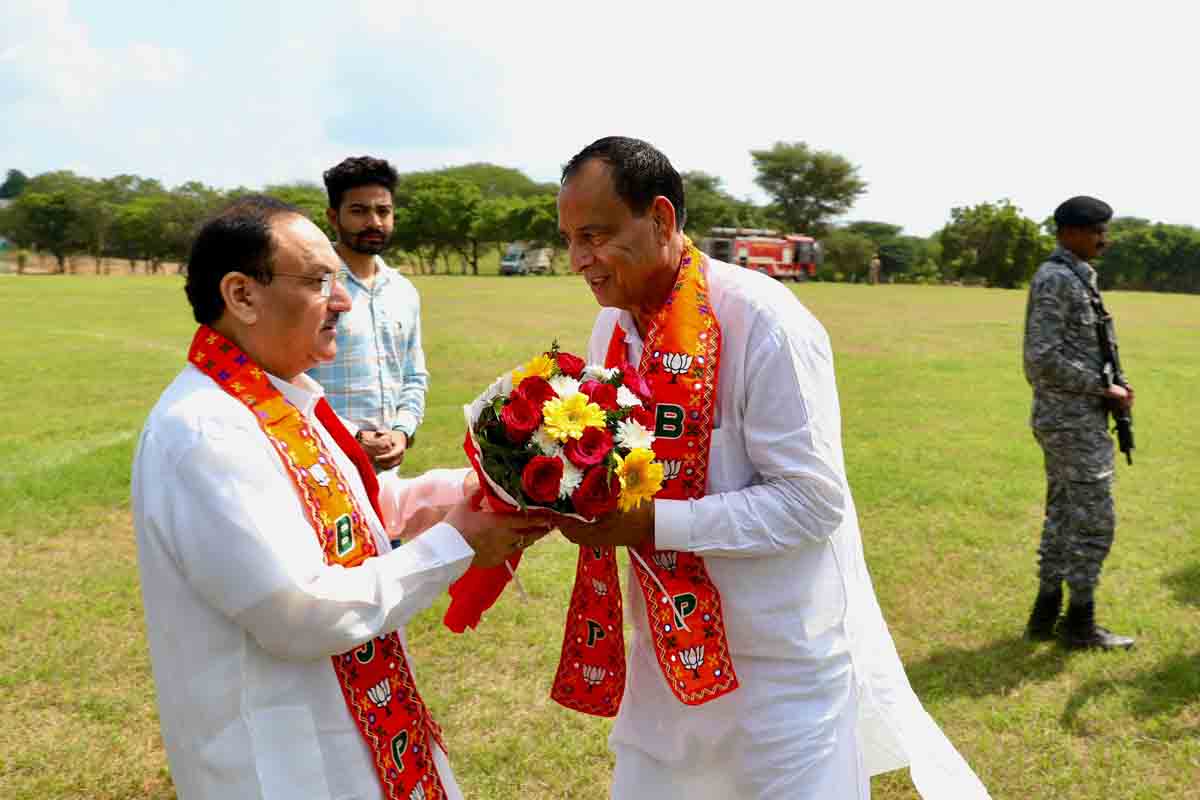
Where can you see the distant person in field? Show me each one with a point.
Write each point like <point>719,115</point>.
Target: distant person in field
<point>760,665</point>
<point>275,606</point>
<point>1064,365</point>
<point>378,380</point>
<point>873,270</point>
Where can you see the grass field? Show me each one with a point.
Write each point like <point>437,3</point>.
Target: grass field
<point>946,476</point>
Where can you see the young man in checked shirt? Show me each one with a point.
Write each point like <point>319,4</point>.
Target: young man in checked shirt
<point>378,380</point>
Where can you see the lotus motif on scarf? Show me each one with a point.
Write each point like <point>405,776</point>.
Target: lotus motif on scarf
<point>665,559</point>
<point>693,658</point>
<point>593,674</point>
<point>677,364</point>
<point>381,694</point>
<point>671,467</point>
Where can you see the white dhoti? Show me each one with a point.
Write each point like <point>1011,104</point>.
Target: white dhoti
<point>819,760</point>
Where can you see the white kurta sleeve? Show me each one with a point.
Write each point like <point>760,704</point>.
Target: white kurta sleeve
<point>243,543</point>
<point>403,499</point>
<point>789,427</point>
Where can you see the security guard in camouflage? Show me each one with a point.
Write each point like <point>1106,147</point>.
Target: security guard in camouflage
<point>1064,365</point>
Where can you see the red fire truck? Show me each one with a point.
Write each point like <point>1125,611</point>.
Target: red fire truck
<point>788,256</point>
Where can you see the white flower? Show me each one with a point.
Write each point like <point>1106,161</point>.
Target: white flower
<point>571,477</point>
<point>546,444</point>
<point>626,398</point>
<point>631,435</point>
<point>598,373</point>
<point>564,386</point>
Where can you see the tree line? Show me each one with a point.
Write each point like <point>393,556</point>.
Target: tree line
<point>994,244</point>
<point>446,219</point>
<point>450,213</point>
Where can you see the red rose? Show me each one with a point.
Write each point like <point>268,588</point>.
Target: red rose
<point>520,417</point>
<point>589,449</point>
<point>570,364</point>
<point>597,493</point>
<point>541,478</point>
<point>536,390</point>
<point>602,394</point>
<point>643,415</point>
<point>635,382</point>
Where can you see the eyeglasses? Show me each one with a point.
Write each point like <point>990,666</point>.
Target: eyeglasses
<point>325,280</point>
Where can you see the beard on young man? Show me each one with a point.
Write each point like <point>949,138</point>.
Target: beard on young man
<point>369,241</point>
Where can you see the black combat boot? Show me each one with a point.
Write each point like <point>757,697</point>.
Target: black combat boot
<point>1044,615</point>
<point>1079,631</point>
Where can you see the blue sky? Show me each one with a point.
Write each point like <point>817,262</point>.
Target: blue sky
<point>938,103</point>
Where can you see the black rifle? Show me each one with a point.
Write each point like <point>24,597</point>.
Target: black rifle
<point>1111,372</point>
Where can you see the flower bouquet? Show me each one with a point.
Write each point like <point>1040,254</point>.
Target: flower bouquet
<point>559,435</point>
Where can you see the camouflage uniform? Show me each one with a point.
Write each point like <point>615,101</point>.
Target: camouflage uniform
<point>1063,363</point>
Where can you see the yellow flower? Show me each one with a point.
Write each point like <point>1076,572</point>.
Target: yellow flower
<point>566,419</point>
<point>541,366</point>
<point>641,477</point>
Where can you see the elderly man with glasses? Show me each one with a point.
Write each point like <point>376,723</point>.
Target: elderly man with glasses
<point>275,605</point>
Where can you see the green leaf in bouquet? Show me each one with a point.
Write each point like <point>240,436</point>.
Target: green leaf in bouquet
<point>488,416</point>
<point>507,476</point>
<point>489,429</point>
<point>491,434</point>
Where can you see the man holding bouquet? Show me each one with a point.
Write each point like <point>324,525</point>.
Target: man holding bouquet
<point>274,603</point>
<point>760,665</point>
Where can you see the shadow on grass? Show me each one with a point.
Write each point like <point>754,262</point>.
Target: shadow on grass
<point>1174,684</point>
<point>1185,583</point>
<point>992,669</point>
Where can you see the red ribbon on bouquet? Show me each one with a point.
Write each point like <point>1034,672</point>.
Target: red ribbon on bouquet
<point>480,587</point>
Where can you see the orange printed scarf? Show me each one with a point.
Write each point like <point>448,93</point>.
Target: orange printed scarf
<point>376,681</point>
<point>680,360</point>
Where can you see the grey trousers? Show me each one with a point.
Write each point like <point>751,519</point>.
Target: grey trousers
<point>1080,521</point>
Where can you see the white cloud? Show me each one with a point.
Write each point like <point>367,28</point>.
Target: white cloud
<point>157,66</point>
<point>66,75</point>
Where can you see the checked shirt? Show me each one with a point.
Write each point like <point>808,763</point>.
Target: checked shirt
<point>378,380</point>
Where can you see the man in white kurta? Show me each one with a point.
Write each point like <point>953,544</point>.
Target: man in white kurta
<point>242,611</point>
<point>823,702</point>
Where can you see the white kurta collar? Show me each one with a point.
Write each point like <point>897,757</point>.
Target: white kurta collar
<point>629,325</point>
<point>303,392</point>
<point>633,340</point>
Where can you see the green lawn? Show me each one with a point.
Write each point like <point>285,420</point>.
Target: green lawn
<point>946,476</point>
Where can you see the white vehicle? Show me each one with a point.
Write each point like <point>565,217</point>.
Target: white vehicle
<point>519,259</point>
